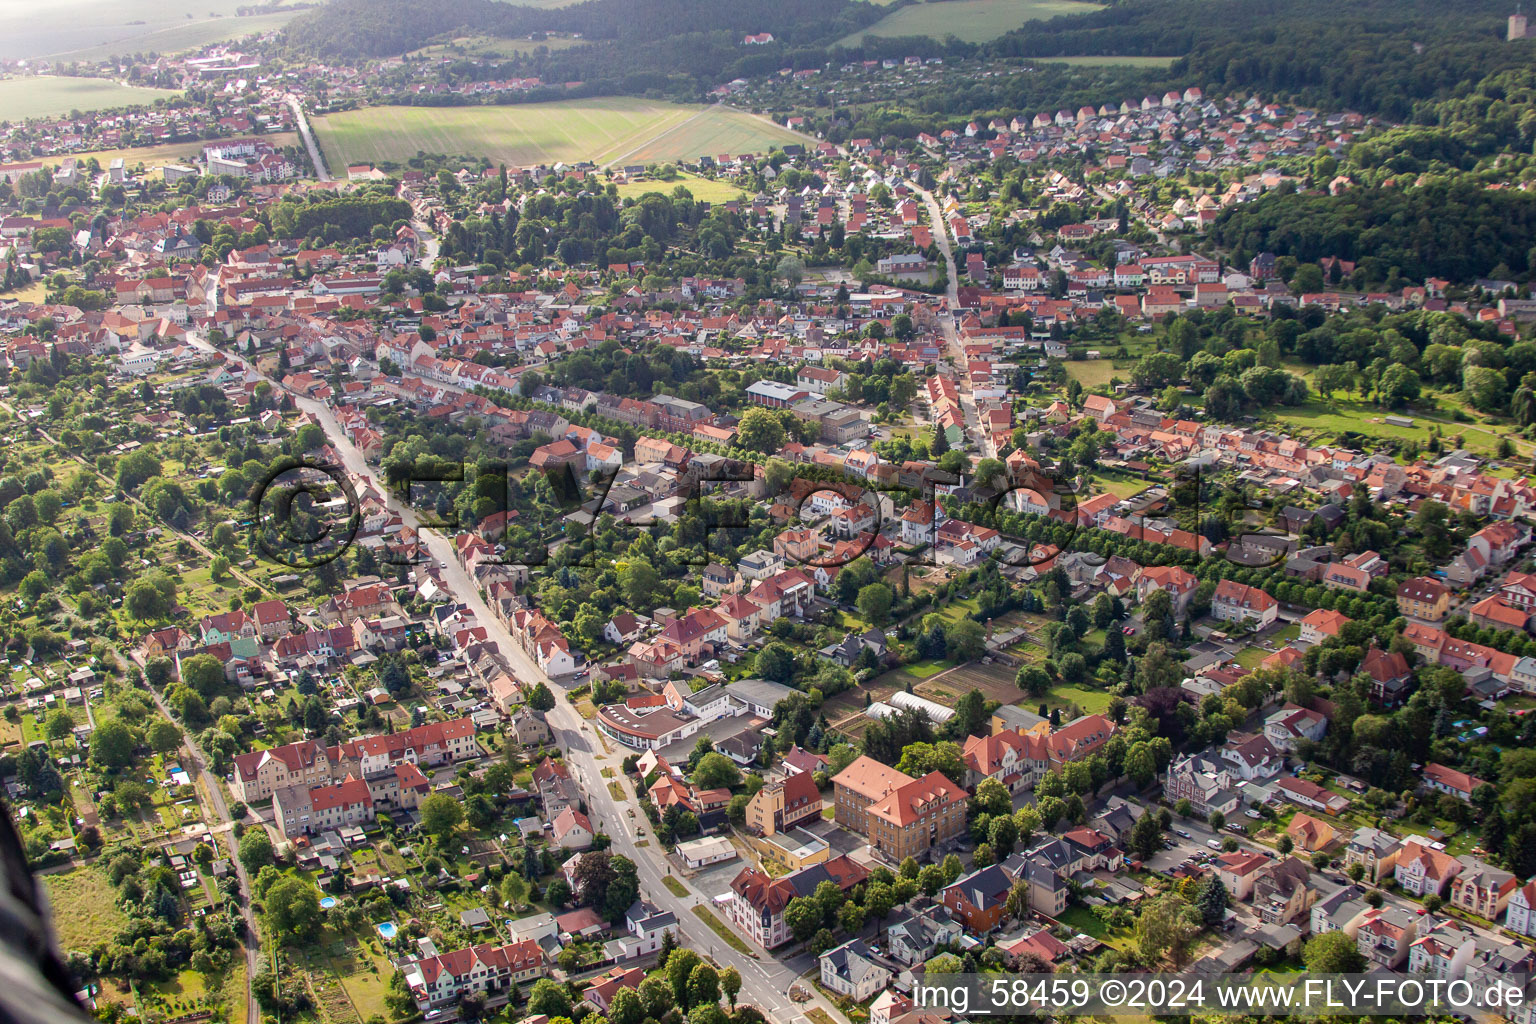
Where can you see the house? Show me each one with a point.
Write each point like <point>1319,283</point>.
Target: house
<point>1311,834</point>
<point>1482,889</point>
<point>1284,893</point>
<point>1390,675</point>
<point>1422,870</point>
<point>851,970</point>
<point>780,806</point>
<point>1423,598</point>
<point>1320,624</point>
<point>1235,602</point>
<point>1440,779</point>
<point>914,938</point>
<point>979,899</point>
<point>1311,795</point>
<point>1016,759</point>
<point>916,816</point>
<point>1240,871</point>
<point>572,830</point>
<point>530,727</point>
<point>1293,724</point>
<point>1374,850</point>
<point>1384,936</point>
<point>757,901</point>
<point>1520,914</point>
<point>443,979</point>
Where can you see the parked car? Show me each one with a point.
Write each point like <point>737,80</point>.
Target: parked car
<point>1214,844</point>
<point>1181,833</point>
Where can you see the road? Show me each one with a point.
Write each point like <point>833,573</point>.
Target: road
<point>973,426</point>
<point>315,156</point>
<point>199,767</point>
<point>765,982</point>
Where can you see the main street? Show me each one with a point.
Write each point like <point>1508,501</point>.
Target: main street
<point>974,428</point>
<point>766,981</point>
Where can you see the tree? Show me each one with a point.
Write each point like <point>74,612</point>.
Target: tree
<point>292,906</point>
<point>760,431</point>
<point>1146,837</point>
<point>1398,386</point>
<point>540,698</point>
<point>1164,929</point>
<point>716,771</point>
<point>791,270</point>
<point>203,673</point>
<point>441,815</point>
<point>703,986</point>
<point>874,604</point>
<point>60,724</point>
<point>1332,953</point>
<point>1212,901</point>
<point>255,850</point>
<point>965,640</point>
<point>112,744</point>
<point>730,984</point>
<point>550,998</point>
<point>803,917</point>
<point>163,735</point>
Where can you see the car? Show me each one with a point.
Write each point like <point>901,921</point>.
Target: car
<point>1251,813</point>
<point>1127,630</point>
<point>1239,829</point>
<point>640,831</point>
<point>1181,833</point>
<point>1214,844</point>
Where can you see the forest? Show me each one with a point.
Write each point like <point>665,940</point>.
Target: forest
<point>1454,230</point>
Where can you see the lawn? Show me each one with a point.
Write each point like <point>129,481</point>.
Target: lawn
<point>1092,373</point>
<point>1321,421</point>
<point>706,190</point>
<point>490,46</point>
<point>975,21</point>
<point>94,29</point>
<point>1092,702</point>
<point>84,908</point>
<point>721,929</point>
<point>1082,919</point>
<point>1249,657</point>
<point>1101,61</point>
<point>616,129</point>
<point>674,886</point>
<point>52,95</point>
<point>1120,485</point>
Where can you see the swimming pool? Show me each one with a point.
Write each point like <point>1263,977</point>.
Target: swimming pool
<point>327,902</point>
<point>388,930</point>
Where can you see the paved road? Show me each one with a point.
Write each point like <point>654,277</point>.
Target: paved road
<point>973,426</point>
<point>765,981</point>
<point>315,156</point>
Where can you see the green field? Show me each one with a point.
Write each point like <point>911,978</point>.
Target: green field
<point>621,130</point>
<point>1095,373</point>
<point>491,46</point>
<point>93,29</point>
<point>1320,422</point>
<point>705,190</point>
<point>974,21</point>
<point>84,908</point>
<point>50,95</point>
<point>1108,61</point>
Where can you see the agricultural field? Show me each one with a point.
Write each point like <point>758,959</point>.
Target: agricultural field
<point>84,908</point>
<point>52,95</point>
<point>705,190</point>
<point>974,21</point>
<point>93,29</point>
<point>607,130</point>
